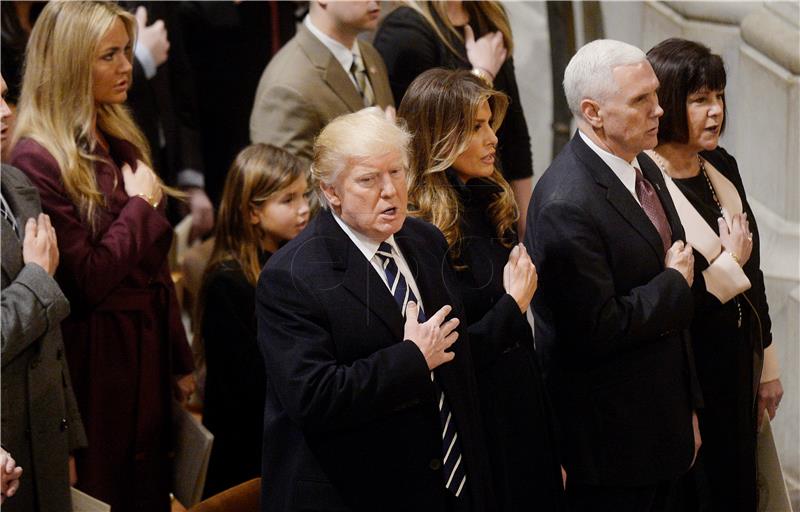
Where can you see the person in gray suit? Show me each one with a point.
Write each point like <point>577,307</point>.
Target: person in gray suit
<point>41,425</point>
<point>324,71</point>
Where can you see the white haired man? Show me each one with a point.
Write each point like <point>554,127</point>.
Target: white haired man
<point>614,298</point>
<point>359,398</point>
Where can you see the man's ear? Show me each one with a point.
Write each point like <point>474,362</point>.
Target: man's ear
<point>331,195</point>
<point>592,113</point>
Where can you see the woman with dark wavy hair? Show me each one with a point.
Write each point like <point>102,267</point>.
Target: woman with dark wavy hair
<point>455,184</point>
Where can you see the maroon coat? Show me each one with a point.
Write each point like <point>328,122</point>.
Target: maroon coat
<point>124,338</point>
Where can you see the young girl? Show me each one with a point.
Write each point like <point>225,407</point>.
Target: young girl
<point>264,204</point>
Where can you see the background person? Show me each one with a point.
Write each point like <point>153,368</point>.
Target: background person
<point>124,339</point>
<point>463,35</point>
<point>731,328</point>
<point>456,185</point>
<point>264,204</point>
<point>324,71</point>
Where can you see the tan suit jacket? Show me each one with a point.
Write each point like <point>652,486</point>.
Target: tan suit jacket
<point>304,87</point>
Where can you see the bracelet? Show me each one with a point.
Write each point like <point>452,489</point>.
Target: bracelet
<point>150,200</point>
<point>735,258</point>
<point>484,75</point>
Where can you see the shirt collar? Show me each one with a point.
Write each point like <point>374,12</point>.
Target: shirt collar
<point>342,53</point>
<point>621,169</point>
<point>367,246</point>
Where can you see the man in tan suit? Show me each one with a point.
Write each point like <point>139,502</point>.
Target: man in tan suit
<point>324,71</point>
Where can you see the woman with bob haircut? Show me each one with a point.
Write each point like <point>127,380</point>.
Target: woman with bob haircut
<point>731,327</point>
<point>475,36</point>
<point>455,184</point>
<point>125,343</point>
<point>264,204</point>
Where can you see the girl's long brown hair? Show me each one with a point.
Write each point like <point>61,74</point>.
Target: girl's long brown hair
<point>258,172</point>
<point>439,109</point>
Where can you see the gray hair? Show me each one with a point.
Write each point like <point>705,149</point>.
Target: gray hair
<point>589,73</point>
<point>351,139</point>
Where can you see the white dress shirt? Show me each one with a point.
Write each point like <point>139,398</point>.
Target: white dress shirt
<point>369,249</point>
<point>623,170</point>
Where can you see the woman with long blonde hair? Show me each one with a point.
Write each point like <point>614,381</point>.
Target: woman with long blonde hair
<point>124,340</point>
<point>475,36</point>
<point>454,183</point>
<point>264,204</point>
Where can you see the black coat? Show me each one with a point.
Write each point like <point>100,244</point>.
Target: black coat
<point>229,44</point>
<point>166,104</point>
<point>611,321</point>
<point>516,412</point>
<point>409,46</point>
<point>233,406</point>
<point>351,421</point>
<point>728,357</point>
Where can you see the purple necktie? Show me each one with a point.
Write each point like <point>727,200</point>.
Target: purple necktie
<point>653,208</point>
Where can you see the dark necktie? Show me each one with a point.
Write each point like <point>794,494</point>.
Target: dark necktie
<point>454,474</point>
<point>653,208</point>
<point>8,215</point>
<point>359,72</point>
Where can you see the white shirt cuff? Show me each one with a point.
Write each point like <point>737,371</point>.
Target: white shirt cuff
<point>145,58</point>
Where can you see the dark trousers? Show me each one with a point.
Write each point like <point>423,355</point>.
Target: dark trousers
<point>660,497</point>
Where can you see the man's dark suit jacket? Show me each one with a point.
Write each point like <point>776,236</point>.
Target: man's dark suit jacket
<point>351,420</point>
<point>166,104</point>
<point>611,322</point>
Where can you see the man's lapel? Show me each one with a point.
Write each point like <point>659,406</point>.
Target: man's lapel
<point>359,276</point>
<point>331,70</point>
<point>619,196</point>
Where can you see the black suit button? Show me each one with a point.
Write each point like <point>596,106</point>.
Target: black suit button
<point>64,424</point>
<point>34,364</point>
<point>435,464</point>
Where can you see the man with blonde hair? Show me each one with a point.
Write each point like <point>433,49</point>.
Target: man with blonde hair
<point>614,298</point>
<point>371,400</point>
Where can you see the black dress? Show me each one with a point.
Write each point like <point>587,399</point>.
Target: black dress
<point>235,381</point>
<point>410,46</point>
<point>725,353</point>
<point>516,413</point>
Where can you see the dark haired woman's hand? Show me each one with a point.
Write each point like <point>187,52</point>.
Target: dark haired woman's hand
<point>769,397</point>
<point>519,277</point>
<point>487,53</point>
<point>737,238</point>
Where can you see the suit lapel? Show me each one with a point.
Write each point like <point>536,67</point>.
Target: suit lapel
<point>332,72</point>
<point>618,196</point>
<point>359,276</point>
<point>24,204</point>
